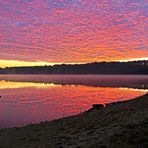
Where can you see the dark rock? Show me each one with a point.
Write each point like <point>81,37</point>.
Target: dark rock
<point>97,106</point>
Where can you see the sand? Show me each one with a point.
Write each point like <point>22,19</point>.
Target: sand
<point>118,125</point>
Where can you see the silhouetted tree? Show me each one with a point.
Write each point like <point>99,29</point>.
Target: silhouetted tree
<point>134,67</point>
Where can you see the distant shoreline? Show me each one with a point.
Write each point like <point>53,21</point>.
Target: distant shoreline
<point>121,124</point>
<point>105,68</point>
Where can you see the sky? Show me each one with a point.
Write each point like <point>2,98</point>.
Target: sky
<point>38,32</point>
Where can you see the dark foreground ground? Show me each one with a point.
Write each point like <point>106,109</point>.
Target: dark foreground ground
<point>120,125</point>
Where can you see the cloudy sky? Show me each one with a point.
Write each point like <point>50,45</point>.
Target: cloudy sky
<point>72,31</point>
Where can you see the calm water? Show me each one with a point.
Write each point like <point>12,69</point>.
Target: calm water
<point>34,98</point>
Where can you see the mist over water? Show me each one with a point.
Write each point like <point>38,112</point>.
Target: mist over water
<point>33,98</point>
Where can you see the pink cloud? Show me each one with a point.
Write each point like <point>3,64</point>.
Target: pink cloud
<point>72,31</point>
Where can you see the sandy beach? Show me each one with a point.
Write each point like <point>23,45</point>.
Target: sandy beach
<point>121,124</point>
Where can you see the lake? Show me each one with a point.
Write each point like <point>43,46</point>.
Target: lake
<point>29,99</point>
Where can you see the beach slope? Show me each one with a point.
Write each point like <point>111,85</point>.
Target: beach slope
<point>122,124</point>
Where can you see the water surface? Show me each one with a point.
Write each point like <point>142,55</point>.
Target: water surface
<point>34,98</point>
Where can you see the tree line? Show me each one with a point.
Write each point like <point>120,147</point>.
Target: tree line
<point>134,67</point>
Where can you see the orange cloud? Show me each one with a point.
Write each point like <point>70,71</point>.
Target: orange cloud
<point>73,31</point>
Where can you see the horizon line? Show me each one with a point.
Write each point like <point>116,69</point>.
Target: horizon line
<point>39,63</point>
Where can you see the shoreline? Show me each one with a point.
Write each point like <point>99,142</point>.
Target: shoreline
<point>119,124</point>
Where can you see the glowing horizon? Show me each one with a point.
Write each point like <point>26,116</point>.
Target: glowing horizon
<point>14,63</point>
<point>43,32</point>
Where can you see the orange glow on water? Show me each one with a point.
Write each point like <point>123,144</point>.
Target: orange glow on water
<point>12,85</point>
<point>29,102</point>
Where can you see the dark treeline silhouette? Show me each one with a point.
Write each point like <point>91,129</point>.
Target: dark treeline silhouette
<point>134,67</point>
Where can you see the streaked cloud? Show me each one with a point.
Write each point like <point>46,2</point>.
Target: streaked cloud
<point>73,31</point>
